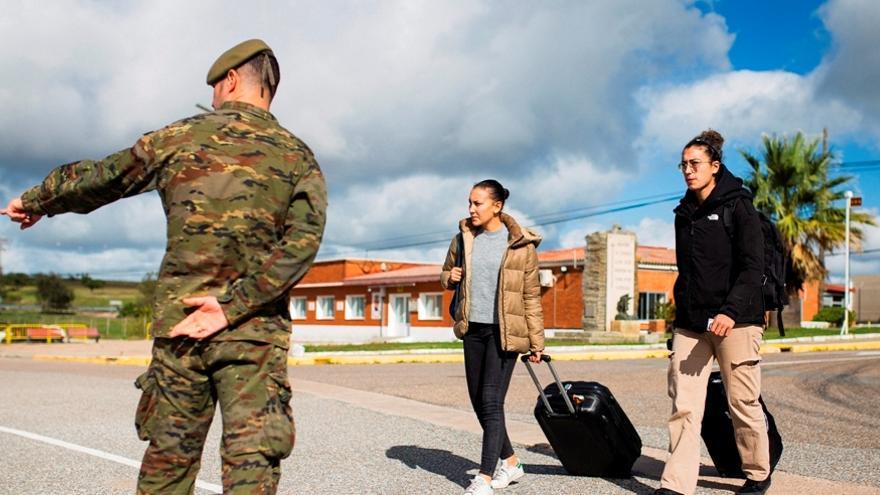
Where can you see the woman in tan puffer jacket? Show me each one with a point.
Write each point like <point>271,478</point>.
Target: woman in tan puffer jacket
<point>498,316</point>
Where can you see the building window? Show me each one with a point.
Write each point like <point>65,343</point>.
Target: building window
<point>298,308</point>
<point>430,306</point>
<point>354,307</point>
<point>326,308</point>
<point>830,300</point>
<point>376,306</point>
<point>648,304</point>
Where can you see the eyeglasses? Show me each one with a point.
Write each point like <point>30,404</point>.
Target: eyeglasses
<point>692,164</point>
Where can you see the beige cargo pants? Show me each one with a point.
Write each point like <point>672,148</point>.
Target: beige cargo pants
<point>689,367</point>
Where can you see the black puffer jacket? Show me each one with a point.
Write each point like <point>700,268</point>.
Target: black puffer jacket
<point>718,272</point>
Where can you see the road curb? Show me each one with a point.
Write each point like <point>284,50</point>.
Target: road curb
<point>120,360</point>
<point>827,346</point>
<point>458,357</point>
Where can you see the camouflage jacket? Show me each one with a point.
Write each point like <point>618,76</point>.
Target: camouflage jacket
<point>245,203</point>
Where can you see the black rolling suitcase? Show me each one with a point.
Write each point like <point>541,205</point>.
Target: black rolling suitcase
<point>586,427</point>
<point>718,435</point>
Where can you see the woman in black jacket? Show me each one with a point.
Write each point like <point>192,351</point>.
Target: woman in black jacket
<point>719,250</point>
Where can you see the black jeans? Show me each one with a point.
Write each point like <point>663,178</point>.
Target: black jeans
<point>488,370</point>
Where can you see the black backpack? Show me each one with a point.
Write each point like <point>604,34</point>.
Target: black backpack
<point>459,255</point>
<point>775,263</point>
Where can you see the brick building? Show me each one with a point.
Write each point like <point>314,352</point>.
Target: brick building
<point>355,300</point>
<point>358,300</point>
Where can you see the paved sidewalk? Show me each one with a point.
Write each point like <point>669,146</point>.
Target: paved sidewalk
<point>523,433</point>
<point>529,435</point>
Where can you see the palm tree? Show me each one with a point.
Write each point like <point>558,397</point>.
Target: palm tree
<point>792,187</point>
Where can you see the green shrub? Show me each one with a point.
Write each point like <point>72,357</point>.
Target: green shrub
<point>134,309</point>
<point>833,315</point>
<point>54,295</point>
<point>666,311</point>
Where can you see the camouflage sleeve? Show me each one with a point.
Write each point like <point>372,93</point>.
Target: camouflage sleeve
<point>84,186</point>
<point>291,257</point>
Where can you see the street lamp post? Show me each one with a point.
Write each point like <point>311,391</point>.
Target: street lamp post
<point>846,298</point>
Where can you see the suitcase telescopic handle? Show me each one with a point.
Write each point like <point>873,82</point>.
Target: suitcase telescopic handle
<point>546,358</point>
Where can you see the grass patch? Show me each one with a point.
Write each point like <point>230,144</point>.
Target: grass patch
<point>791,333</point>
<point>770,335</point>
<point>405,346</point>
<point>382,346</point>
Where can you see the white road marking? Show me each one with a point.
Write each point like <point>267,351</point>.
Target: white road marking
<point>97,453</point>
<point>810,361</point>
<point>868,353</point>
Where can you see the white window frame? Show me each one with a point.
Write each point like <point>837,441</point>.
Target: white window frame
<point>645,298</point>
<point>423,306</point>
<point>294,300</point>
<point>349,313</point>
<point>319,313</point>
<point>376,302</point>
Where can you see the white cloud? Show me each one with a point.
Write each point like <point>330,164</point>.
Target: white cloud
<point>112,264</point>
<point>406,206</point>
<point>860,264</point>
<point>405,103</point>
<point>741,105</point>
<point>840,94</point>
<point>566,181</point>
<point>851,71</point>
<point>576,236</point>
<point>654,232</point>
<point>137,222</point>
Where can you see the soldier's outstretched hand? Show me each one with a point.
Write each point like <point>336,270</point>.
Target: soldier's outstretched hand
<point>206,320</point>
<point>15,211</point>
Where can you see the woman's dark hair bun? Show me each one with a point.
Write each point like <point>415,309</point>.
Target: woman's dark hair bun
<point>496,191</point>
<point>712,140</point>
<point>713,137</point>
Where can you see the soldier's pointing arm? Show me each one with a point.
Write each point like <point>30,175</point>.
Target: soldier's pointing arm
<point>291,256</point>
<point>84,186</point>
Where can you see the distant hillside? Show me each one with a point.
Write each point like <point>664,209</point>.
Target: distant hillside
<point>111,291</point>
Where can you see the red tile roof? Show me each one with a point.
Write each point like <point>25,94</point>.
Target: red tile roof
<point>655,255</point>
<point>836,288</point>
<point>646,254</point>
<point>561,255</point>
<point>426,273</point>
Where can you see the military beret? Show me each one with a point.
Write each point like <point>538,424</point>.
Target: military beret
<point>234,57</point>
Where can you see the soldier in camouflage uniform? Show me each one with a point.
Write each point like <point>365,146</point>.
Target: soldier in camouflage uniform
<point>245,203</point>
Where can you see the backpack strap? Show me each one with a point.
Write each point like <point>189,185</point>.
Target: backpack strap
<point>727,217</point>
<point>459,261</point>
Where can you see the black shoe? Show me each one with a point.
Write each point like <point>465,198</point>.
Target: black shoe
<point>665,491</point>
<point>752,486</point>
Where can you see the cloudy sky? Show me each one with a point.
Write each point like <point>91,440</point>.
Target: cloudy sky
<point>577,107</point>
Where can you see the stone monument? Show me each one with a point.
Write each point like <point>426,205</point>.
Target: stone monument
<point>609,275</point>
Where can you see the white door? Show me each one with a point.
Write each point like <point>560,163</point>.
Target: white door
<point>398,315</point>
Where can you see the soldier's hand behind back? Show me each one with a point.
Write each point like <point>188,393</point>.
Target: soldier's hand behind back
<point>206,320</point>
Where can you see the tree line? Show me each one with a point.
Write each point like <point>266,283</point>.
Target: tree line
<point>55,295</point>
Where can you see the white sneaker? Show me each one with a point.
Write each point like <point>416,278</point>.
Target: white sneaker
<point>479,486</point>
<point>507,474</point>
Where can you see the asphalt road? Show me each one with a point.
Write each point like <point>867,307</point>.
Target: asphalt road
<point>825,404</point>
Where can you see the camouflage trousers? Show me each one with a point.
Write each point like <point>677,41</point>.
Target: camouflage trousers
<point>185,380</point>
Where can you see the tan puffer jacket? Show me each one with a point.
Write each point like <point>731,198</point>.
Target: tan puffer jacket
<point>519,292</point>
